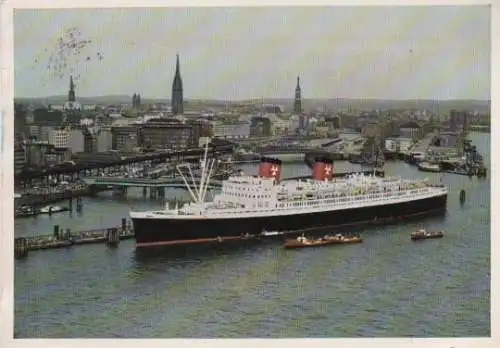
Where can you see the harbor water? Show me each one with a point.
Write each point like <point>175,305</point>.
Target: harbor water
<point>387,286</point>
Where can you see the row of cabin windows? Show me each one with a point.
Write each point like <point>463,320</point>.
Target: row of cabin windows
<point>238,194</point>
<point>242,188</point>
<point>331,201</point>
<point>343,199</point>
<point>309,203</point>
<point>360,197</point>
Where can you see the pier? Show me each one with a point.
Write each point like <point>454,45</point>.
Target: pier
<point>65,238</point>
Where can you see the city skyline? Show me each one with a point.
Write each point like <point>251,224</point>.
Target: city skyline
<point>393,56</point>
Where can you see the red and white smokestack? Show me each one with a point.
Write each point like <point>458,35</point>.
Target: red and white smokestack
<point>323,169</point>
<point>270,168</point>
<point>264,167</point>
<point>275,169</point>
<point>329,169</point>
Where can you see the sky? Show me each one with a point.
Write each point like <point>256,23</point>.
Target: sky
<point>425,52</point>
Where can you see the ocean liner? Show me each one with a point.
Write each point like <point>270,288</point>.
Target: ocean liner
<point>252,205</point>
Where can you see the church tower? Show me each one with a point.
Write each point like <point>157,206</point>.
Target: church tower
<point>297,105</point>
<point>177,91</point>
<point>71,93</point>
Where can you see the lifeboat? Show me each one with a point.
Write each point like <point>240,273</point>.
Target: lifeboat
<point>423,234</point>
<point>303,242</point>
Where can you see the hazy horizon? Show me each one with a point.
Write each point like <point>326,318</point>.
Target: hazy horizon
<point>399,53</point>
<point>248,99</point>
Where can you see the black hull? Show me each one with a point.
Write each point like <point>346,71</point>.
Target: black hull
<point>164,231</point>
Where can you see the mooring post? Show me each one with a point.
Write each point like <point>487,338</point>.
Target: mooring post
<point>462,196</point>
<point>124,226</point>
<point>20,247</point>
<point>56,232</point>
<point>79,204</point>
<point>112,237</point>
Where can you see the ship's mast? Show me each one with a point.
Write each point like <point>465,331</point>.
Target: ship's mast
<point>178,167</point>
<point>374,159</point>
<point>203,193</point>
<point>199,193</point>
<point>194,182</point>
<point>203,178</point>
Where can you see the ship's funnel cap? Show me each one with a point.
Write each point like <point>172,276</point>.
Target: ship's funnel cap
<point>323,169</point>
<point>270,168</point>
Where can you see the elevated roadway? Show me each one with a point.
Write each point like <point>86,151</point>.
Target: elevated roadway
<point>76,166</point>
<point>143,182</point>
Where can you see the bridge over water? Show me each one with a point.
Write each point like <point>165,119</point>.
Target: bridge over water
<point>116,159</point>
<point>174,182</point>
<point>282,148</point>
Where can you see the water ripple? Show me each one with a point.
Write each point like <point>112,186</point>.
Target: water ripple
<point>386,286</point>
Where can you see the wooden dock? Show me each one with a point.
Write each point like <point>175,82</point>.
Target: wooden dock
<point>64,238</point>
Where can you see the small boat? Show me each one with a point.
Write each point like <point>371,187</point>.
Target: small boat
<point>52,209</point>
<point>25,211</point>
<point>265,233</point>
<point>423,234</point>
<point>303,242</point>
<point>429,167</point>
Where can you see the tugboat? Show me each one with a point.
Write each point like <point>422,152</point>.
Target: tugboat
<point>423,234</point>
<point>303,242</point>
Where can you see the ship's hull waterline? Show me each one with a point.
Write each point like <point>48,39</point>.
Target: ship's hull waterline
<point>165,231</point>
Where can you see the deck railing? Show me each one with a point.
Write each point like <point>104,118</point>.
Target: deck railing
<point>338,202</point>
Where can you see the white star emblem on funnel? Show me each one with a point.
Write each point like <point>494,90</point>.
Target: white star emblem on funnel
<point>274,170</point>
<point>328,170</point>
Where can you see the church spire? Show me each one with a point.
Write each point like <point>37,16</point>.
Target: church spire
<point>297,105</point>
<point>177,90</point>
<point>177,66</point>
<point>71,93</point>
